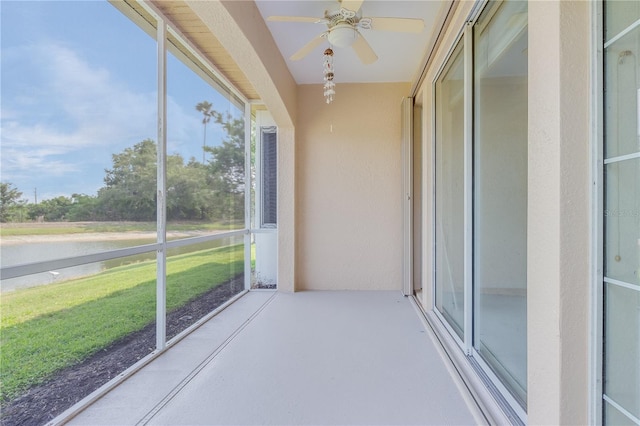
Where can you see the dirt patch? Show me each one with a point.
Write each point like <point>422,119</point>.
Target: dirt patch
<point>44,402</point>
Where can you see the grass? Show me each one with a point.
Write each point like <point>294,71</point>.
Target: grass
<point>25,230</point>
<point>47,328</point>
<point>61,228</point>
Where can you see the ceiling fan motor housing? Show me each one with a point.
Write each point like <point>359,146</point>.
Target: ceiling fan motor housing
<point>342,35</point>
<point>343,24</point>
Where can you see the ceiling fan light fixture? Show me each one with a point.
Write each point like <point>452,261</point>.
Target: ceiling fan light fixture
<point>342,35</point>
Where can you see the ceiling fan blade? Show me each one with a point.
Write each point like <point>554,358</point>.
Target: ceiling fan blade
<point>295,19</point>
<point>405,25</point>
<point>364,51</point>
<point>307,48</point>
<point>353,5</point>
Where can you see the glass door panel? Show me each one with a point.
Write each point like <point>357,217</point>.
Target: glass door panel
<point>500,193</point>
<point>622,348</point>
<point>449,215</point>
<point>621,258</point>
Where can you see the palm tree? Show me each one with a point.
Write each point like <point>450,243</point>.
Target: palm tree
<point>205,108</point>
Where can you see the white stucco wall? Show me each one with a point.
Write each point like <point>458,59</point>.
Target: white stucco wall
<point>348,181</point>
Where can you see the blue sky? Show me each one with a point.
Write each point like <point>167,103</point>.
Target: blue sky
<point>78,84</point>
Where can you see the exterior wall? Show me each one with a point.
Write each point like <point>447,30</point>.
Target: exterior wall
<point>286,209</point>
<point>348,187</point>
<point>559,212</point>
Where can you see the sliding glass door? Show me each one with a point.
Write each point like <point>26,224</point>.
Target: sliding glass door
<point>500,193</point>
<point>481,146</point>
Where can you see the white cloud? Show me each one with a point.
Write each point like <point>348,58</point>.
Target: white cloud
<point>25,163</point>
<point>68,106</point>
<point>63,115</point>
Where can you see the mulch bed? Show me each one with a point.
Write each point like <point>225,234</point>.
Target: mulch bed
<point>44,402</point>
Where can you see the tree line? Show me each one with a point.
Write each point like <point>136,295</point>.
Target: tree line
<point>196,191</point>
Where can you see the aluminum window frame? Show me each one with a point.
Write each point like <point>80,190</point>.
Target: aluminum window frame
<point>459,39</point>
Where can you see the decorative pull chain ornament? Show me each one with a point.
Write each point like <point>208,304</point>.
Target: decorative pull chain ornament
<point>329,84</point>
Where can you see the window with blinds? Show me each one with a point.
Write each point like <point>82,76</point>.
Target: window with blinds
<point>269,176</point>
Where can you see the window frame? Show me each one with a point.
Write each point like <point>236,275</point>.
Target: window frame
<point>267,130</point>
<point>459,43</point>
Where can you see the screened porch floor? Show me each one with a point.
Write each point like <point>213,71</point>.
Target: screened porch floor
<point>296,359</point>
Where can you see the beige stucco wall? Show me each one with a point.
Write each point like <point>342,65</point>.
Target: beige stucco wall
<point>348,182</point>
<point>559,212</point>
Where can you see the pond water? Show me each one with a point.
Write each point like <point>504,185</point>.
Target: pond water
<point>29,252</point>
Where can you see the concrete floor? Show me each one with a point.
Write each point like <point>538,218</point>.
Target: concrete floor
<point>304,358</point>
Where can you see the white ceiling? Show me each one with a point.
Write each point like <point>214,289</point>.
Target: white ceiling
<point>400,55</point>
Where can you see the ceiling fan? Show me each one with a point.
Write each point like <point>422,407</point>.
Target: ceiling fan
<point>343,27</point>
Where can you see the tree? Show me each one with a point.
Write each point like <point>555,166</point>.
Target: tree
<point>205,108</point>
<point>11,204</point>
<point>226,167</point>
<point>188,196</point>
<point>195,191</point>
<point>52,210</point>
<point>130,191</point>
<point>83,207</point>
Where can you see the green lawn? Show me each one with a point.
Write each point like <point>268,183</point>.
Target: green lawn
<point>44,329</point>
